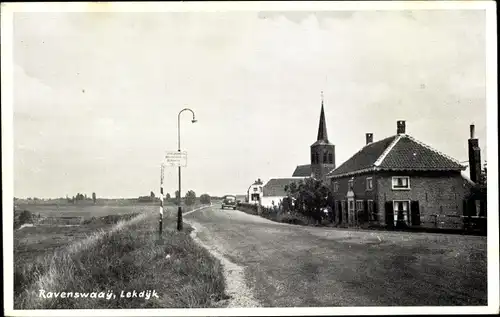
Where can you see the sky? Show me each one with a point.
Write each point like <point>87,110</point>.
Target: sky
<point>96,95</point>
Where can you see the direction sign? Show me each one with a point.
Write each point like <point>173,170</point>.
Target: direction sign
<point>176,158</point>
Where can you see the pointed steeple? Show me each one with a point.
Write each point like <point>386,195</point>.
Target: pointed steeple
<point>322,134</point>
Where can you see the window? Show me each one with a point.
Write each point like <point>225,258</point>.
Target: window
<point>330,158</point>
<point>312,158</point>
<point>369,183</point>
<point>350,184</point>
<point>401,212</point>
<point>325,157</point>
<point>359,205</point>
<point>255,189</point>
<point>335,187</point>
<point>351,205</point>
<point>400,182</point>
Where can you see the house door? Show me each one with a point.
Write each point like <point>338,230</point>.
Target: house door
<point>401,214</point>
<point>351,211</point>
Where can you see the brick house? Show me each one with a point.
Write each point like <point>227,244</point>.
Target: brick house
<point>400,182</point>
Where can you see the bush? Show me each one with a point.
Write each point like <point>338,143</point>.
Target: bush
<point>205,199</point>
<point>190,198</point>
<point>26,217</point>
<point>23,217</point>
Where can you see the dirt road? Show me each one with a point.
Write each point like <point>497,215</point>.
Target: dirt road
<point>287,265</point>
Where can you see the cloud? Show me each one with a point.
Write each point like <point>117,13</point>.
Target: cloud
<point>106,90</point>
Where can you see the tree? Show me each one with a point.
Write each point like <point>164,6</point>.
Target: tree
<point>190,198</point>
<point>310,197</point>
<point>152,195</point>
<point>167,196</point>
<point>205,199</point>
<point>94,197</point>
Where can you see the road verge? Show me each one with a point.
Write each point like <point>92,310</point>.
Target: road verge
<point>127,259</point>
<point>234,274</point>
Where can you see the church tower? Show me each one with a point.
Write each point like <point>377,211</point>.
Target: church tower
<point>322,151</point>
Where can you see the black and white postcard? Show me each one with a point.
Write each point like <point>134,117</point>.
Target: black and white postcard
<point>250,158</point>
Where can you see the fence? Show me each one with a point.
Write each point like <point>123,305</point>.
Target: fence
<point>435,223</point>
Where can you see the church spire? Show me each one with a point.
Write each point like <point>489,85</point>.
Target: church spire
<point>322,135</point>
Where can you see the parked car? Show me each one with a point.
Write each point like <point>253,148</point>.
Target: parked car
<point>229,201</point>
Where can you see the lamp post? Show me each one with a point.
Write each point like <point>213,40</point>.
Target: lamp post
<point>179,209</point>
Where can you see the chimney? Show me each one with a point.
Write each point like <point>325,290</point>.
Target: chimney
<point>474,156</point>
<point>369,138</point>
<point>401,127</point>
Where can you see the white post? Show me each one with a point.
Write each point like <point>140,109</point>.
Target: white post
<point>161,199</point>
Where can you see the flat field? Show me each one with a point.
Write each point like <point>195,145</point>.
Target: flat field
<point>98,255</point>
<point>86,211</point>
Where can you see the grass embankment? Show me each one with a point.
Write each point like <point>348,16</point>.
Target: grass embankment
<point>126,258</point>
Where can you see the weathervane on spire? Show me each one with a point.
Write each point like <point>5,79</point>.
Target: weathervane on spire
<point>322,97</point>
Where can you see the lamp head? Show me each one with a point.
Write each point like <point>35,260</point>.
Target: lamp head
<point>194,120</point>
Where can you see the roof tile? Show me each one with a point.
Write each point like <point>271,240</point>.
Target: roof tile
<point>406,154</point>
<point>276,186</point>
<point>302,171</point>
<point>364,158</point>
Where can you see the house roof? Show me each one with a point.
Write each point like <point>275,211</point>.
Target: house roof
<point>398,152</point>
<point>276,186</point>
<point>257,182</point>
<point>302,171</point>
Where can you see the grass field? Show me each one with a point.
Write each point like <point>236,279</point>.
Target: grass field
<point>104,255</point>
<point>86,211</point>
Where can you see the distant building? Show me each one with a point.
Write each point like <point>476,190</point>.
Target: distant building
<point>322,161</point>
<point>274,190</point>
<point>254,192</point>
<point>402,182</point>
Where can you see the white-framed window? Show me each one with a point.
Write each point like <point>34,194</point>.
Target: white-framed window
<point>335,187</point>
<point>350,184</point>
<point>369,183</point>
<point>359,205</point>
<point>401,212</point>
<point>400,182</point>
<point>255,189</point>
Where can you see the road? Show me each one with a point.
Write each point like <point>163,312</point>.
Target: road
<point>295,266</point>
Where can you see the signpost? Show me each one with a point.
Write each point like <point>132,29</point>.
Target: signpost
<point>176,158</point>
<point>172,158</point>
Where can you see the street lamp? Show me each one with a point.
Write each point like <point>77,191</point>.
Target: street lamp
<point>179,210</point>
